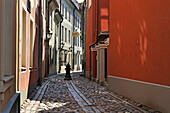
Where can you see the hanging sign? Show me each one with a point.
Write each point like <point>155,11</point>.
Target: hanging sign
<point>75,34</point>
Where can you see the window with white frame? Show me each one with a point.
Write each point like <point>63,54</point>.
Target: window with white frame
<point>66,13</point>
<point>62,58</point>
<point>69,37</point>
<point>69,18</point>
<point>81,59</point>
<point>65,34</point>
<point>51,18</point>
<point>23,64</point>
<point>78,23</point>
<point>62,36</point>
<point>62,9</point>
<point>31,44</point>
<point>78,41</point>
<point>75,59</point>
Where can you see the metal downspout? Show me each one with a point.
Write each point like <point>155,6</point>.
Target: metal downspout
<point>40,50</point>
<point>73,37</point>
<point>60,44</point>
<point>17,45</point>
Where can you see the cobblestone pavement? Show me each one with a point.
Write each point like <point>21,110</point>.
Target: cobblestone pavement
<point>76,96</point>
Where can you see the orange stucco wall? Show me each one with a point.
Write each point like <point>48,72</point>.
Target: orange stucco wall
<point>90,32</point>
<point>9,92</point>
<point>139,46</point>
<point>103,15</point>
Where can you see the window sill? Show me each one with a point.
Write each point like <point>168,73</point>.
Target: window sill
<point>23,69</point>
<point>30,69</point>
<point>5,83</point>
<point>36,69</point>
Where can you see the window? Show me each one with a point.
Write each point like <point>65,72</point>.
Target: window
<point>80,26</point>
<point>81,59</point>
<point>78,41</point>
<point>69,36</point>
<point>75,41</point>
<point>62,58</point>
<point>78,59</point>
<point>75,59</point>
<point>31,44</point>
<point>65,58</point>
<point>23,41</point>
<point>69,58</point>
<point>78,23</point>
<point>62,37</point>
<point>51,18</point>
<point>36,51</point>
<point>50,55</point>
<point>66,13</point>
<point>65,34</point>
<point>69,18</point>
<point>43,6</point>
<point>55,53</point>
<point>62,9</point>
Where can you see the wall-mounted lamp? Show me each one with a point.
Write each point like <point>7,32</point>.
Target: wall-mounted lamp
<point>62,44</point>
<point>70,49</point>
<point>49,35</point>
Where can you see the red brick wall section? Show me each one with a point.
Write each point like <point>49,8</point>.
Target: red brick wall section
<point>139,40</point>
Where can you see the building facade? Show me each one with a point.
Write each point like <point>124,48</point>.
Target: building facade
<point>77,48</point>
<point>55,18</point>
<point>69,10</point>
<point>31,40</point>
<point>97,39</point>
<point>139,51</point>
<point>7,51</point>
<point>22,50</point>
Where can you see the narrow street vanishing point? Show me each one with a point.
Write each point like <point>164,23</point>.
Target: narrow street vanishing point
<point>77,96</point>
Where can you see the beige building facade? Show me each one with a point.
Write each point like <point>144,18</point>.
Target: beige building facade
<point>31,45</point>
<point>7,51</point>
<point>55,18</point>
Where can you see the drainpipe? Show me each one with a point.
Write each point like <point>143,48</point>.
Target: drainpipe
<point>47,41</point>
<point>84,34</point>
<point>97,9</point>
<point>60,44</point>
<point>73,37</point>
<point>17,45</point>
<point>40,49</point>
<point>83,39</point>
<point>90,63</point>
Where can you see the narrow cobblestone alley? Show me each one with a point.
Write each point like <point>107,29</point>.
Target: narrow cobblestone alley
<point>76,96</point>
